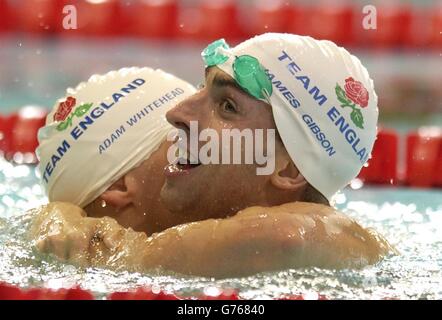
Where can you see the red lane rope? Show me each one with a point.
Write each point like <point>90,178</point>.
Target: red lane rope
<point>399,25</point>
<point>12,292</point>
<point>422,167</point>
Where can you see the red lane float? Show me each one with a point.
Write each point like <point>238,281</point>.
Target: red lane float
<point>219,19</point>
<point>189,24</point>
<point>24,134</point>
<point>268,16</point>
<point>11,292</point>
<point>424,157</point>
<point>151,18</point>
<point>300,20</point>
<point>438,172</point>
<point>37,16</point>
<point>333,22</point>
<point>398,25</point>
<point>421,29</point>
<point>5,16</point>
<point>436,26</point>
<point>7,124</point>
<point>393,27</point>
<point>382,167</point>
<point>94,18</point>
<point>208,21</point>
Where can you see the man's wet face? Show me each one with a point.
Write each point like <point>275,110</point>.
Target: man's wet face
<point>217,190</point>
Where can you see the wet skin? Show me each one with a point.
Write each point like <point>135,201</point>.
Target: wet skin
<point>257,239</point>
<point>145,211</point>
<point>272,231</point>
<point>220,190</point>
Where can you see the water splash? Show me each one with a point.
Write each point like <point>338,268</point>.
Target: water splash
<point>410,219</point>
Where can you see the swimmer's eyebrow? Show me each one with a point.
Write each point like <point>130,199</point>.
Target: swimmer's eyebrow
<point>219,81</point>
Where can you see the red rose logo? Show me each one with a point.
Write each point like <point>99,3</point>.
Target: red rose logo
<point>355,91</point>
<point>64,108</point>
<point>354,95</point>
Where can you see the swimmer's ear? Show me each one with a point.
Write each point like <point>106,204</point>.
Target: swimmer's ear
<point>287,177</point>
<point>120,193</point>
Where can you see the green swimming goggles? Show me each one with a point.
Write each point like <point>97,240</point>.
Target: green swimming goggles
<point>248,72</point>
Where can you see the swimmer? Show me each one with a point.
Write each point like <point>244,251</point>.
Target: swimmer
<point>285,219</point>
<point>103,147</point>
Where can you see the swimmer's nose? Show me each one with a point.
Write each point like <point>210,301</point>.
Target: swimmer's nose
<point>184,112</point>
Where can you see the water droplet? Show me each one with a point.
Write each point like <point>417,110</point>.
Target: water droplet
<point>103,203</point>
<point>212,291</point>
<point>155,289</point>
<point>356,184</point>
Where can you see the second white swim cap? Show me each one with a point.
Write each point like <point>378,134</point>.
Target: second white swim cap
<point>322,98</point>
<point>104,128</point>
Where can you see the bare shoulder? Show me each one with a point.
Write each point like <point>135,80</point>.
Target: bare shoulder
<point>337,240</point>
<point>51,214</point>
<point>57,207</point>
<point>290,208</point>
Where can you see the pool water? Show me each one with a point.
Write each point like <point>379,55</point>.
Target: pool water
<point>411,219</point>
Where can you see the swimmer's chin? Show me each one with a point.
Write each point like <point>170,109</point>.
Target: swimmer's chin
<point>180,190</point>
<point>174,199</point>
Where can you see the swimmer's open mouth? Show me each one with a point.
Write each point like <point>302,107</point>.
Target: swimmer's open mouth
<point>183,166</point>
<point>187,166</point>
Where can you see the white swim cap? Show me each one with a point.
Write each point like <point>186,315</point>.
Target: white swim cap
<point>103,128</point>
<point>322,98</point>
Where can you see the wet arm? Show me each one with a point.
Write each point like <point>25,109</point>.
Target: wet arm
<point>256,240</point>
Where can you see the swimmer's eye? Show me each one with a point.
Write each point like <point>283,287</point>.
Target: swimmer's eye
<point>200,86</point>
<point>228,107</point>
